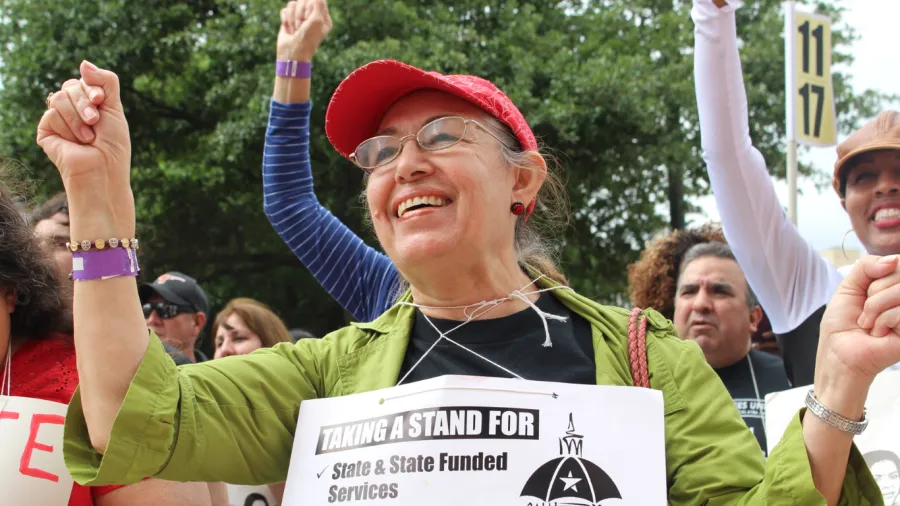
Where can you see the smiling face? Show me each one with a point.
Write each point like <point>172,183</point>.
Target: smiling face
<point>888,478</point>
<point>872,200</point>
<point>426,204</point>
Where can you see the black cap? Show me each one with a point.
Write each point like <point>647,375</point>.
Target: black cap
<point>177,288</point>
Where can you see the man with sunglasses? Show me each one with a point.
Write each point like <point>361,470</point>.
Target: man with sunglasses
<point>176,309</point>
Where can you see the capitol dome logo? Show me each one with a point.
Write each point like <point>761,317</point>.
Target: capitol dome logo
<point>570,479</point>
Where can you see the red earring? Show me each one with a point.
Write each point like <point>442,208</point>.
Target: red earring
<point>517,208</point>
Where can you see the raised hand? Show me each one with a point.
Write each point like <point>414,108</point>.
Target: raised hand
<point>858,337</point>
<point>304,25</point>
<point>85,134</point>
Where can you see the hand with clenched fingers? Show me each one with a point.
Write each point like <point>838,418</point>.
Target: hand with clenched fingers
<point>85,134</point>
<point>304,25</point>
<point>859,336</point>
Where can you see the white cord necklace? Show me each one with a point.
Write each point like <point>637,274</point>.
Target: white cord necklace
<point>759,401</point>
<point>6,385</point>
<point>479,309</point>
<point>753,377</point>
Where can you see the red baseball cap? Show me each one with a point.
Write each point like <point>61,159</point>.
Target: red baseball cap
<point>362,99</point>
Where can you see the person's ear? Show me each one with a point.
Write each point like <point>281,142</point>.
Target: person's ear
<point>528,180</point>
<point>199,321</point>
<point>10,299</point>
<point>756,315</point>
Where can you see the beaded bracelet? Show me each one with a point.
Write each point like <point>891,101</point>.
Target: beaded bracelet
<point>100,244</point>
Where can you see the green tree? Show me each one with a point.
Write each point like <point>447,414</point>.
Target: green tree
<point>608,85</point>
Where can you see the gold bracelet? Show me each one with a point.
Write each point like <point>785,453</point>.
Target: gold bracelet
<point>100,244</point>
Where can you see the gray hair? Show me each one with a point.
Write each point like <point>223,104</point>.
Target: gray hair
<point>714,249</point>
<point>551,209</point>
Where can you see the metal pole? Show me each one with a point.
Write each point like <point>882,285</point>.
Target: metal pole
<point>792,180</point>
<point>789,111</point>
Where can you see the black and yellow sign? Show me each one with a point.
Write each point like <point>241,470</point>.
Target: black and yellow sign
<point>810,93</point>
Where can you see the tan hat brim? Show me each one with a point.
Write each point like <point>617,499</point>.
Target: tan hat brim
<point>842,163</point>
<point>865,149</point>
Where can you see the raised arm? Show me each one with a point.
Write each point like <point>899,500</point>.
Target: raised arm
<point>136,414</point>
<point>791,280</point>
<point>361,279</point>
<point>229,420</point>
<point>84,133</point>
<point>815,462</point>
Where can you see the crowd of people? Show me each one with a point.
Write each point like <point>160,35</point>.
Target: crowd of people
<point>452,173</point>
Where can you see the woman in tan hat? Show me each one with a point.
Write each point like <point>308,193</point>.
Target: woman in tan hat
<point>793,282</point>
<point>453,168</point>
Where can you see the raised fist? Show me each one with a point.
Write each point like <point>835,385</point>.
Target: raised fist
<point>84,133</point>
<point>304,25</point>
<point>858,336</point>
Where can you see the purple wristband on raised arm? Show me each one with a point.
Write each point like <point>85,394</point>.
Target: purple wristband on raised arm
<point>293,68</point>
<point>104,264</point>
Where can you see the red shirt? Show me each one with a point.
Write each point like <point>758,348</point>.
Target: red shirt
<point>45,369</point>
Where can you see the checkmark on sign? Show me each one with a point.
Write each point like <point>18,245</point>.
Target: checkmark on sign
<point>319,475</point>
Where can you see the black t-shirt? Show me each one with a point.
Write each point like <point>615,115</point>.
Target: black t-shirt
<point>770,377</point>
<point>513,341</point>
<point>798,349</point>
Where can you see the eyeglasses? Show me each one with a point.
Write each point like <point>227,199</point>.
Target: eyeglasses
<point>436,135</point>
<point>166,310</point>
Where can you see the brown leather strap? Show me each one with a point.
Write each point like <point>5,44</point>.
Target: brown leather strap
<point>637,349</point>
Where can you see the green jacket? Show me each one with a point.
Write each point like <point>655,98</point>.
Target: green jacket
<point>233,419</point>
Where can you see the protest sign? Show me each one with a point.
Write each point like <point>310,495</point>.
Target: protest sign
<point>879,444</point>
<point>467,440</point>
<point>32,470</point>
<point>243,495</point>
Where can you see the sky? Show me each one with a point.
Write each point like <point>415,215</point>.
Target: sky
<point>822,221</point>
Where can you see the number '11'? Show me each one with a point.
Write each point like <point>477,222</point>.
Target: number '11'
<point>819,34</point>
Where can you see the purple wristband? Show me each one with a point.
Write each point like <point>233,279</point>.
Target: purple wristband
<point>104,264</point>
<point>293,68</point>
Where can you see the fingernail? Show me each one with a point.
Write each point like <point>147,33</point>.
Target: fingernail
<point>87,132</point>
<point>89,113</point>
<point>93,94</point>
<point>888,259</point>
<point>90,65</point>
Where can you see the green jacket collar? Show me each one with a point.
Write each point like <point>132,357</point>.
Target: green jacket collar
<point>377,364</point>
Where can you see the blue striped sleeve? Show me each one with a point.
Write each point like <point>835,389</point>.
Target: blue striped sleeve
<point>362,280</point>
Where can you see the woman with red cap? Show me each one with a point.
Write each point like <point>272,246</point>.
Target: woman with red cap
<point>452,171</point>
<point>793,282</point>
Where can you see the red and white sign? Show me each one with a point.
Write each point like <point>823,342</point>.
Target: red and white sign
<point>32,470</point>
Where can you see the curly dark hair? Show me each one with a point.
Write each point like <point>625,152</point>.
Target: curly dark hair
<point>26,268</point>
<point>652,279</point>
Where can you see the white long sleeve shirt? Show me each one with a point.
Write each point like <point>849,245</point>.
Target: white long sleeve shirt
<point>790,278</point>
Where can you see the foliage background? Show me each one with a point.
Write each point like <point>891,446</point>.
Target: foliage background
<point>607,84</point>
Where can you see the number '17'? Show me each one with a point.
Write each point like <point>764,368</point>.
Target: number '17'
<point>820,102</point>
